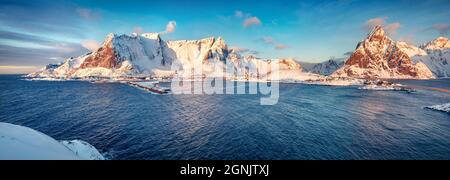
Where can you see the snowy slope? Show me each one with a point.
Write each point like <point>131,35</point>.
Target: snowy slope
<point>200,57</point>
<point>327,67</point>
<point>22,143</point>
<point>83,150</point>
<point>436,55</point>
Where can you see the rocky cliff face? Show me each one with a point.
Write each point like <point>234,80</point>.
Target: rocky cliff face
<point>378,56</point>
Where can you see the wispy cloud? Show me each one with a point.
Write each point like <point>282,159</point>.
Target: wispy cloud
<point>18,69</point>
<point>39,41</point>
<point>390,28</point>
<point>247,19</point>
<point>408,39</point>
<point>252,21</point>
<point>25,37</point>
<point>280,46</point>
<point>24,56</point>
<point>443,29</point>
<point>270,41</point>
<point>59,18</point>
<point>88,14</point>
<point>239,49</point>
<point>138,30</point>
<point>44,50</point>
<point>267,40</point>
<point>244,50</point>
<point>239,14</point>
<point>91,45</point>
<point>371,23</point>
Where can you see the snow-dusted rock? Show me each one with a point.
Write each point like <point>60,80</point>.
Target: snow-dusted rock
<point>378,56</point>
<point>381,85</point>
<point>22,143</point>
<point>335,81</point>
<point>83,150</point>
<point>437,44</point>
<point>378,88</point>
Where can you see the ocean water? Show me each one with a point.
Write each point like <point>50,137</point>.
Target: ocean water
<point>309,122</point>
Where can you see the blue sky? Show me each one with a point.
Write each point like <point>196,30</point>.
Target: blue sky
<point>36,33</point>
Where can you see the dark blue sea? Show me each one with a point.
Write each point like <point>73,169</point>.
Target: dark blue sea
<point>309,122</point>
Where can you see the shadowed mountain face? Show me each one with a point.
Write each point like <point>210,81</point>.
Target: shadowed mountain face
<point>325,68</point>
<point>436,55</point>
<point>378,56</point>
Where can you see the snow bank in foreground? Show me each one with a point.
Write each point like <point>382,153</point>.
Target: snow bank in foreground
<point>22,143</point>
<point>442,107</point>
<point>83,150</point>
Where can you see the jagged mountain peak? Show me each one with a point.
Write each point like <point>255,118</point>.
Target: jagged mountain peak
<point>378,56</point>
<point>326,67</point>
<point>210,42</point>
<point>438,43</point>
<point>147,54</point>
<point>436,56</point>
<point>377,31</point>
<point>109,38</point>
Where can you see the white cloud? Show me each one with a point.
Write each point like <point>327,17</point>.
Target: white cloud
<point>92,45</point>
<point>170,27</point>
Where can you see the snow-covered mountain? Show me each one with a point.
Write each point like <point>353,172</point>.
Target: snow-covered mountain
<point>326,68</point>
<point>148,55</point>
<point>120,55</point>
<point>436,55</point>
<point>23,143</point>
<point>378,56</point>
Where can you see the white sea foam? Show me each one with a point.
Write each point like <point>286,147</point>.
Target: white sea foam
<point>442,107</point>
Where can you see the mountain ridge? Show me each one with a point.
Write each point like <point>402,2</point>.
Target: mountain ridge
<point>148,55</point>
